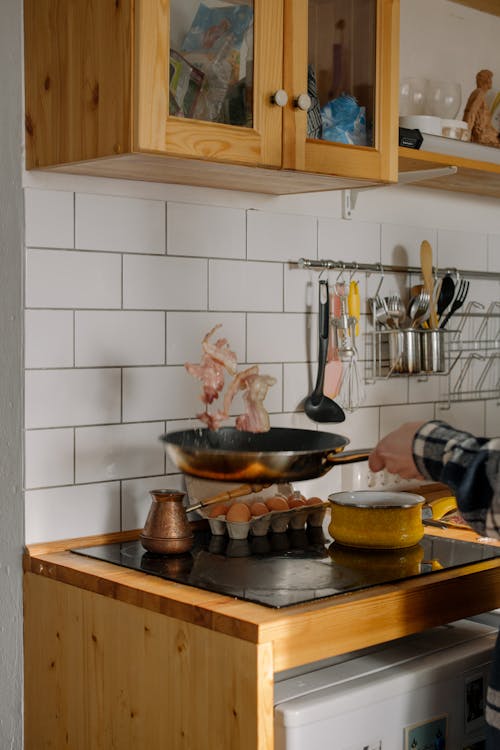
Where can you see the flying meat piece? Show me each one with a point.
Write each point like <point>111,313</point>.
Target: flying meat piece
<point>216,358</point>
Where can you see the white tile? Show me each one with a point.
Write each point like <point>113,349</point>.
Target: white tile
<point>185,331</point>
<point>286,337</point>
<point>70,512</point>
<point>119,224</point>
<point>164,283</point>
<point>431,389</point>
<point>301,289</point>
<point>205,231</point>
<point>119,338</point>
<point>55,278</point>
<point>298,382</point>
<point>494,252</point>
<point>49,218</point>
<point>348,241</point>
<point>59,398</point>
<point>360,426</point>
<point>391,417</point>
<point>492,428</point>
<point>401,244</point>
<point>459,249</point>
<point>386,391</point>
<point>48,338</point>
<point>49,458</point>
<point>467,416</point>
<point>297,420</point>
<point>159,393</point>
<point>273,236</point>
<point>118,451</point>
<point>136,500</point>
<point>236,285</point>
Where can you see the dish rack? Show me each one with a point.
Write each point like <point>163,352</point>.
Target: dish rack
<point>469,364</point>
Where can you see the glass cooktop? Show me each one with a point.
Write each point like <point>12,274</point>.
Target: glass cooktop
<point>295,567</point>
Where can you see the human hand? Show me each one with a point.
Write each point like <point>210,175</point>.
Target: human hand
<point>394,452</point>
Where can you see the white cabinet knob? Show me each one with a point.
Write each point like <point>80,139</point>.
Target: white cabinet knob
<point>303,101</point>
<point>280,98</point>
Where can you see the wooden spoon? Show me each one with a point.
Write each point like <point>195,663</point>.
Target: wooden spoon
<point>426,263</point>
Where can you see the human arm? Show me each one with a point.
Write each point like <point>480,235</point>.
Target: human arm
<point>467,464</point>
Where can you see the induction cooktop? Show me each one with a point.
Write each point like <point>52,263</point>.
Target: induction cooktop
<point>294,567</point>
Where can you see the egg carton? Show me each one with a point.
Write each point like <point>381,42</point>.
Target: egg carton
<point>277,521</point>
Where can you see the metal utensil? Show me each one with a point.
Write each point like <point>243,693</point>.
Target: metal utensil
<point>317,406</point>
<point>463,290</point>
<point>418,308</point>
<point>446,295</point>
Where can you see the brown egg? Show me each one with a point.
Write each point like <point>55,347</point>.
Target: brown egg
<point>259,508</point>
<point>314,501</point>
<point>277,503</point>
<point>238,512</point>
<point>219,509</point>
<point>296,500</point>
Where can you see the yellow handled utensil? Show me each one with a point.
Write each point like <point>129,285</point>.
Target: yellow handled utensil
<point>354,303</point>
<point>427,273</point>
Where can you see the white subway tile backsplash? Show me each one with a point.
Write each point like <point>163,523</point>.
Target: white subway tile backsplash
<point>119,224</point>
<point>49,218</point>
<point>206,231</point>
<point>391,417</point>
<point>492,426</point>
<point>125,298</point>
<point>118,451</point>
<point>494,252</point>
<point>401,244</point>
<point>48,338</point>
<point>282,337</point>
<point>247,286</point>
<point>122,337</point>
<point>60,398</point>
<point>185,332</point>
<point>284,237</point>
<point>55,278</point>
<point>70,512</point>
<point>459,249</point>
<point>298,381</point>
<point>49,458</point>
<point>151,393</point>
<point>136,498</point>
<point>164,283</point>
<point>350,241</point>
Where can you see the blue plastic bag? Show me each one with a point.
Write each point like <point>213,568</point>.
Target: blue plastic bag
<point>344,121</point>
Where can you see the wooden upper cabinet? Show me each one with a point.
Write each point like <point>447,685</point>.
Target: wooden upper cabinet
<point>186,91</point>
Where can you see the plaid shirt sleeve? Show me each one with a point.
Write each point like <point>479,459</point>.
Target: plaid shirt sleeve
<point>469,465</point>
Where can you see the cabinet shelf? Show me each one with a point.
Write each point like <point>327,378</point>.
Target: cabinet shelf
<point>473,177</point>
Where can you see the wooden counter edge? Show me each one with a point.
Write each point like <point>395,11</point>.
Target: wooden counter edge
<point>300,633</point>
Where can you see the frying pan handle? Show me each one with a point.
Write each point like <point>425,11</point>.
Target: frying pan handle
<point>349,457</point>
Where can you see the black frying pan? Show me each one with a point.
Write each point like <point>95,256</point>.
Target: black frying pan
<point>280,455</point>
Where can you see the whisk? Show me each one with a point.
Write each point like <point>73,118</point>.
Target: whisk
<point>351,393</point>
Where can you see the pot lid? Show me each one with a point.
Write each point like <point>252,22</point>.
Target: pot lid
<point>376,499</point>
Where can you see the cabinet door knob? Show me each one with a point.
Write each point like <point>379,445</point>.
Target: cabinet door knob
<point>303,101</point>
<point>280,97</point>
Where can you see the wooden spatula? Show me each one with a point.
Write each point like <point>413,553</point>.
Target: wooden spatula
<point>426,263</point>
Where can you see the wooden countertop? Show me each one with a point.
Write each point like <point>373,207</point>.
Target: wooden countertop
<point>302,633</point>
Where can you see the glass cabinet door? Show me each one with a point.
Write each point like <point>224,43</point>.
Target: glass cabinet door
<point>349,71</point>
<point>208,70</point>
<point>212,61</point>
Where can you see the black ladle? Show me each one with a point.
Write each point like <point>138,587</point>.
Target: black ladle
<point>446,294</point>
<point>317,406</point>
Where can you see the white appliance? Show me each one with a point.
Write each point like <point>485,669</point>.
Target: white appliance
<point>423,692</point>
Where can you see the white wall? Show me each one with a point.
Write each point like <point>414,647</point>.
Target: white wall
<point>124,279</point>
<point>11,498</point>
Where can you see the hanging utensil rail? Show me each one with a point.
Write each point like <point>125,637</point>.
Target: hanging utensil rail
<point>340,265</point>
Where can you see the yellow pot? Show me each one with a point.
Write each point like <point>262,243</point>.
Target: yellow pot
<point>376,520</point>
